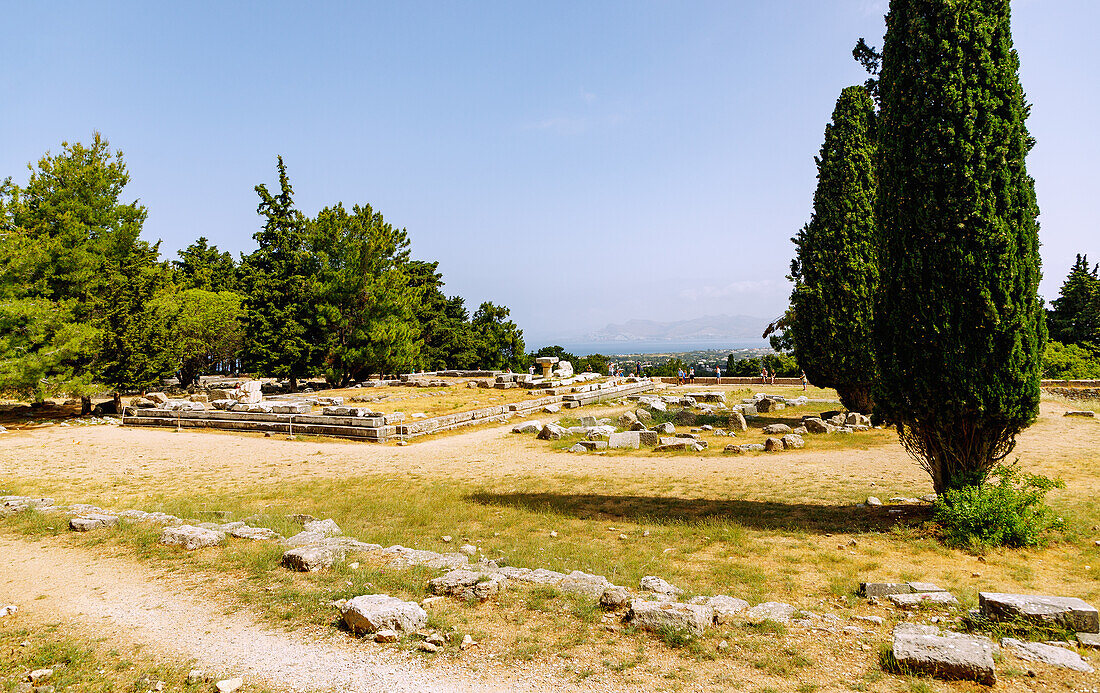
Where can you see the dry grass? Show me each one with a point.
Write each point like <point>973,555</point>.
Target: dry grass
<point>770,527</point>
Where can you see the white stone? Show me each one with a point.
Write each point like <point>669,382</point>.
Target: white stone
<point>371,613</point>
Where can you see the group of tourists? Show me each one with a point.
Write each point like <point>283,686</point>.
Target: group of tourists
<point>687,376</point>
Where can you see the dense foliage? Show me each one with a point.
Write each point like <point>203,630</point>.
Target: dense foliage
<point>86,304</point>
<point>959,327</point>
<point>1006,510</point>
<point>835,270</point>
<point>1075,316</point>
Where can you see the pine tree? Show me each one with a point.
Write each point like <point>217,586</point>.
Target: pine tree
<point>835,269</point>
<point>203,266</point>
<point>959,326</point>
<point>365,301</point>
<point>1075,318</point>
<point>280,286</point>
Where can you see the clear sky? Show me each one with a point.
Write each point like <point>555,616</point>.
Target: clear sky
<point>580,162</point>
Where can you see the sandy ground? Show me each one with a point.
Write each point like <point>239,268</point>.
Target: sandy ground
<point>107,464</point>
<point>95,594</point>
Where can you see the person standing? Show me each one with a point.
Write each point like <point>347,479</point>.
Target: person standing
<point>803,377</point>
<point>718,375</point>
<point>763,375</point>
<point>691,375</point>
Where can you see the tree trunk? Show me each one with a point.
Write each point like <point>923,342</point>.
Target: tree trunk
<point>118,402</point>
<point>85,406</point>
<point>857,398</point>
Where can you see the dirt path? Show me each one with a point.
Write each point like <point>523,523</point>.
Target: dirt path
<point>94,594</point>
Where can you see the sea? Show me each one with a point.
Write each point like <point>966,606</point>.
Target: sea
<point>654,347</point>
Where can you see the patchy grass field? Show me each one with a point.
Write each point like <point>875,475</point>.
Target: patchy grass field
<point>780,527</point>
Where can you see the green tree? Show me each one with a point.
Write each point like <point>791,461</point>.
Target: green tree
<point>205,329</point>
<point>1071,361</point>
<point>448,341</point>
<point>499,340</point>
<point>959,325</point>
<point>365,302</point>
<point>279,281</point>
<point>1075,317</point>
<point>203,266</point>
<point>74,278</point>
<point>835,270</point>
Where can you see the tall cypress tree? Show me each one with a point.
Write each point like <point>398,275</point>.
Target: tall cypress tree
<point>835,270</point>
<point>959,326</point>
<point>280,281</point>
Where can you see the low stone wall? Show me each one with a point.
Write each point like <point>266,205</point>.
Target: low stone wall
<point>755,380</point>
<point>1076,393</point>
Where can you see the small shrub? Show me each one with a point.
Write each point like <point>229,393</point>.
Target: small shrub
<point>674,637</point>
<point>1007,510</point>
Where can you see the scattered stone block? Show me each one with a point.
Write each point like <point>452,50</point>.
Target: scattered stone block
<point>773,445</point>
<point>883,589</point>
<point>1084,414</point>
<point>777,429</point>
<point>1047,654</point>
<point>527,427</point>
<point>923,649</point>
<point>308,559</point>
<point>615,598</point>
<point>228,685</point>
<point>542,576</point>
<point>1071,612</point>
<point>386,635</point>
<point>737,422</point>
<point>468,584</point>
<point>916,600</point>
<point>678,446</point>
<point>652,583</point>
<point>585,584</point>
<point>593,444</point>
<point>925,587</point>
<point>371,613</point>
<point>655,615</point>
<point>873,501</point>
<point>8,610</point>
<point>727,610</point>
<point>792,441</point>
<point>552,432</point>
<point>90,521</point>
<point>254,533</point>
<point>1087,640</point>
<point>191,537</point>
<point>770,611</point>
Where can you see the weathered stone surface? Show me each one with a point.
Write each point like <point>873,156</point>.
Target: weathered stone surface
<point>308,559</point>
<point>773,445</point>
<point>430,559</point>
<point>924,587</point>
<point>1072,612</point>
<point>679,445</point>
<point>814,425</point>
<point>527,427</point>
<point>1047,654</point>
<point>8,610</point>
<point>542,576</point>
<point>777,429</point>
<point>585,584</point>
<point>643,416</point>
<point>90,521</point>
<point>468,584</point>
<point>627,419</point>
<point>655,615</point>
<point>255,533</point>
<point>1089,640</point>
<point>632,439</point>
<point>948,656</point>
<point>770,611</point>
<point>767,405</point>
<point>314,532</point>
<point>883,589</point>
<point>792,441</point>
<point>1084,414</point>
<point>191,537</point>
<point>737,422</point>
<point>615,598</point>
<point>552,432</point>
<point>685,418</point>
<point>657,585</point>
<point>229,685</point>
<point>873,501</point>
<point>915,600</point>
<point>371,613</point>
<point>734,448</point>
<point>727,610</point>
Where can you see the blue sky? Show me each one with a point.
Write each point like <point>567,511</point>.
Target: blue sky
<point>580,162</point>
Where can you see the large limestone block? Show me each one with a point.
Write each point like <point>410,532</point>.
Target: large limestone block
<point>527,427</point>
<point>584,584</point>
<point>737,422</point>
<point>308,559</point>
<point>1040,609</point>
<point>770,611</point>
<point>552,432</point>
<point>657,585</point>
<point>656,615</point>
<point>469,585</point>
<point>627,439</point>
<point>777,429</point>
<point>1047,654</point>
<point>922,649</point>
<point>920,599</point>
<point>727,610</point>
<point>90,521</point>
<point>371,613</point>
<point>191,537</point>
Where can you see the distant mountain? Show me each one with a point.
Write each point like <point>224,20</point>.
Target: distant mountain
<point>706,328</point>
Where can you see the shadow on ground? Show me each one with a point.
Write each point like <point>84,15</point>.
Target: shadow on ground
<point>761,515</point>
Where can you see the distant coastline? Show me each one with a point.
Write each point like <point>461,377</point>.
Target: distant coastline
<point>650,346</point>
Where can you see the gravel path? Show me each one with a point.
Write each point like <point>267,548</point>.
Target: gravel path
<point>98,595</point>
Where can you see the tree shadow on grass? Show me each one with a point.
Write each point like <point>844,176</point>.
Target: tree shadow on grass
<point>761,515</point>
